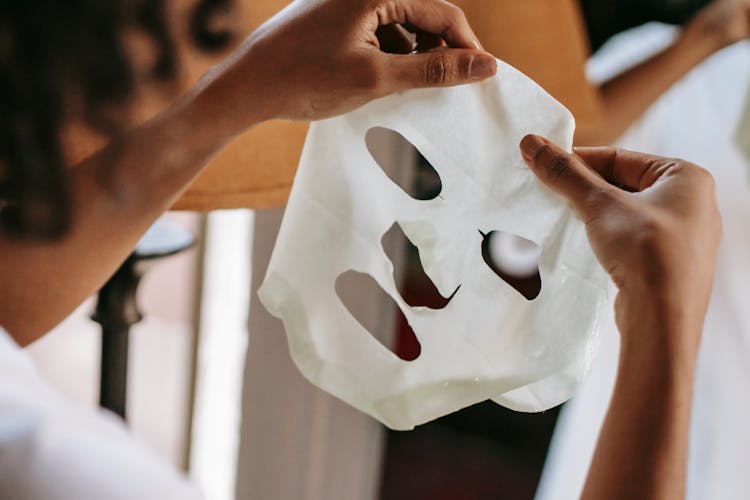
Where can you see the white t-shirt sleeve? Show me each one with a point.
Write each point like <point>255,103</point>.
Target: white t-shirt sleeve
<point>53,450</point>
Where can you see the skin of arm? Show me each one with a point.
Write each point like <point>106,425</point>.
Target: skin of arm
<point>626,97</point>
<point>315,59</point>
<point>649,220</point>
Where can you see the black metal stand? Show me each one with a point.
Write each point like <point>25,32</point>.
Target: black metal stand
<point>117,308</point>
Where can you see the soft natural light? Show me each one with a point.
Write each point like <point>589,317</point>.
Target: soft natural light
<point>222,346</point>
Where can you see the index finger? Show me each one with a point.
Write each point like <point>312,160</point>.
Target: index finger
<point>434,16</point>
<point>628,169</point>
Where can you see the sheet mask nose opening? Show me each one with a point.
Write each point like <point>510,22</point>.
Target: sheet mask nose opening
<point>412,282</point>
<point>515,260</point>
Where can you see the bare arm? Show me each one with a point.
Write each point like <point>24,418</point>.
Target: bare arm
<point>654,225</point>
<point>117,199</point>
<point>642,448</point>
<point>312,60</point>
<point>626,97</point>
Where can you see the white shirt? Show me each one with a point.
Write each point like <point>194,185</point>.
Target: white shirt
<point>695,120</point>
<point>53,450</point>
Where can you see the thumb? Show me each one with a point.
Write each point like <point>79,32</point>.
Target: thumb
<point>564,173</point>
<point>439,68</point>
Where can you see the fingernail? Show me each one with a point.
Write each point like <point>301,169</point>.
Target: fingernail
<point>483,66</point>
<point>478,45</point>
<point>530,145</point>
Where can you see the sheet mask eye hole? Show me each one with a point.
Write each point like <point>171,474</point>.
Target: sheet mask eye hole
<point>515,260</point>
<point>358,292</point>
<point>403,164</point>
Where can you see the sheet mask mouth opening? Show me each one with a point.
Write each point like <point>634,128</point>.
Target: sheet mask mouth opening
<point>515,260</point>
<point>405,345</point>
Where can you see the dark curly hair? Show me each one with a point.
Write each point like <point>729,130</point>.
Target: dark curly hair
<point>52,53</point>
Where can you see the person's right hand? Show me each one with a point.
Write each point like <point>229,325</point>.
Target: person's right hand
<point>320,58</point>
<point>653,224</point>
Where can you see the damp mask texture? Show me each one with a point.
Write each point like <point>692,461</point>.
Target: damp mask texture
<point>489,341</point>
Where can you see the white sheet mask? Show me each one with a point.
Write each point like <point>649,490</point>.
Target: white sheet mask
<point>489,341</point>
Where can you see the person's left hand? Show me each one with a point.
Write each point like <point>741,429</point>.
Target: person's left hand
<point>319,58</point>
<point>655,227</point>
<point>724,22</point>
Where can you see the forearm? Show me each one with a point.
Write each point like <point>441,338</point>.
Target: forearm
<point>648,219</point>
<point>119,192</point>
<point>642,448</point>
<point>313,60</point>
<point>626,97</point>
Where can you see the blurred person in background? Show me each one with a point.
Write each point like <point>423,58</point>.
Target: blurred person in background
<point>707,26</point>
<point>697,119</point>
<point>65,230</point>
